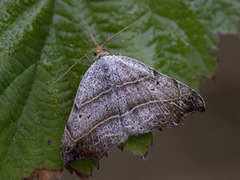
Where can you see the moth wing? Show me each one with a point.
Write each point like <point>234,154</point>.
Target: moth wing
<point>94,124</point>
<point>118,97</point>
<point>149,100</point>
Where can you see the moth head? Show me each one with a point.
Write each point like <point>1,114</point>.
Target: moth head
<point>99,51</point>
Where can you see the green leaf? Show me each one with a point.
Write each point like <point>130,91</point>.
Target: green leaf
<point>138,144</point>
<point>85,165</point>
<point>40,39</point>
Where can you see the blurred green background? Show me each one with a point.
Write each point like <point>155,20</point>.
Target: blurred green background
<point>206,147</point>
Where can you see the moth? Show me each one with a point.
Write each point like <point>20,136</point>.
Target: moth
<point>119,97</point>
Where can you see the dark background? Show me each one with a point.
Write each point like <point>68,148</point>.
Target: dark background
<point>206,147</point>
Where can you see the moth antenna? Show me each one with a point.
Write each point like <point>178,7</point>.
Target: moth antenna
<point>70,68</point>
<point>86,55</point>
<point>121,31</point>
<point>90,34</point>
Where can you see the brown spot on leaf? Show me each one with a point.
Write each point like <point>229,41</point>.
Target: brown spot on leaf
<point>82,176</point>
<point>73,77</point>
<point>44,174</point>
<point>49,142</point>
<point>78,173</point>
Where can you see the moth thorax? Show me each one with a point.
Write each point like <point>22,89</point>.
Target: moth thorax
<point>100,51</point>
